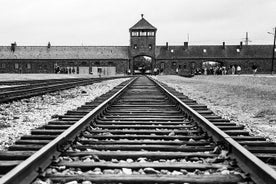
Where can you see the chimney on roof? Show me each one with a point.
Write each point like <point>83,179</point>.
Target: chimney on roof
<point>186,45</point>
<point>223,45</point>
<point>13,45</point>
<point>142,15</point>
<point>240,45</point>
<point>167,45</point>
<point>49,45</point>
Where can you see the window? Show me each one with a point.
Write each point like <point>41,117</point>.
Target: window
<point>84,63</point>
<point>179,66</point>
<point>184,66</point>
<point>173,64</point>
<point>150,46</point>
<point>143,33</point>
<point>204,50</point>
<point>151,33</point>
<point>193,65</point>
<point>134,33</point>
<point>135,46</point>
<point>238,50</point>
<point>29,66</point>
<point>3,65</point>
<point>97,63</point>
<point>16,65</point>
<point>71,63</point>
<point>110,63</point>
<point>162,65</point>
<point>172,50</point>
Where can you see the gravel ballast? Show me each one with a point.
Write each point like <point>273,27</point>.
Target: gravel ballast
<point>245,100</point>
<point>19,117</point>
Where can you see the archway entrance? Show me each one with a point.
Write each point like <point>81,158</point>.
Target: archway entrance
<point>212,67</point>
<point>142,65</point>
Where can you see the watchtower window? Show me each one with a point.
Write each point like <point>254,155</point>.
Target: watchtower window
<point>143,33</point>
<point>134,33</point>
<point>150,33</point>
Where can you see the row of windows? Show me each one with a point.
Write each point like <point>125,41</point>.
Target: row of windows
<point>16,65</point>
<point>29,66</point>
<point>136,47</point>
<point>205,50</point>
<point>174,65</point>
<point>84,63</point>
<point>142,33</point>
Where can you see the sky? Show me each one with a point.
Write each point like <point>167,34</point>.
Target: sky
<point>107,22</point>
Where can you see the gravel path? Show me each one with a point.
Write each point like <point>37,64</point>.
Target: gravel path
<point>245,100</point>
<point>18,118</point>
<point>36,76</point>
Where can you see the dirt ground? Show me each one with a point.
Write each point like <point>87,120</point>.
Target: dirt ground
<point>247,100</point>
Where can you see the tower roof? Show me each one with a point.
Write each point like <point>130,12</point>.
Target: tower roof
<point>143,24</point>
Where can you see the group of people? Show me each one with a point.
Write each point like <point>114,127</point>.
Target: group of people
<point>220,70</point>
<point>65,70</point>
<point>235,70</point>
<point>223,70</point>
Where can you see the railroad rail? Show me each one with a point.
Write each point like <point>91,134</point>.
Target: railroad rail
<point>31,88</point>
<point>141,132</point>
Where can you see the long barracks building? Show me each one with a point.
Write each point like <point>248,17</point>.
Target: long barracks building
<point>141,54</point>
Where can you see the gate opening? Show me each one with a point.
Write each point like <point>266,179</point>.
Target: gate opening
<point>211,68</point>
<point>142,65</point>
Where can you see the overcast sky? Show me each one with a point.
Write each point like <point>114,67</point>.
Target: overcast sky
<point>107,22</point>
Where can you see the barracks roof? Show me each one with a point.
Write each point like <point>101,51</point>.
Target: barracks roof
<point>64,52</point>
<point>121,52</point>
<point>213,51</point>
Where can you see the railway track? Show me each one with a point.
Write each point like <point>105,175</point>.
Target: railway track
<point>144,132</point>
<point>26,89</point>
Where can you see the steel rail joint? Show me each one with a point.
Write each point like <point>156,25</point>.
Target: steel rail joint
<point>260,172</point>
<point>27,171</point>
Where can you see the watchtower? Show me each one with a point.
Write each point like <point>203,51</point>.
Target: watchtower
<point>142,44</point>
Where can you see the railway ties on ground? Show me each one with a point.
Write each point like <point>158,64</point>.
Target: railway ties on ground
<point>30,88</point>
<point>145,135</point>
